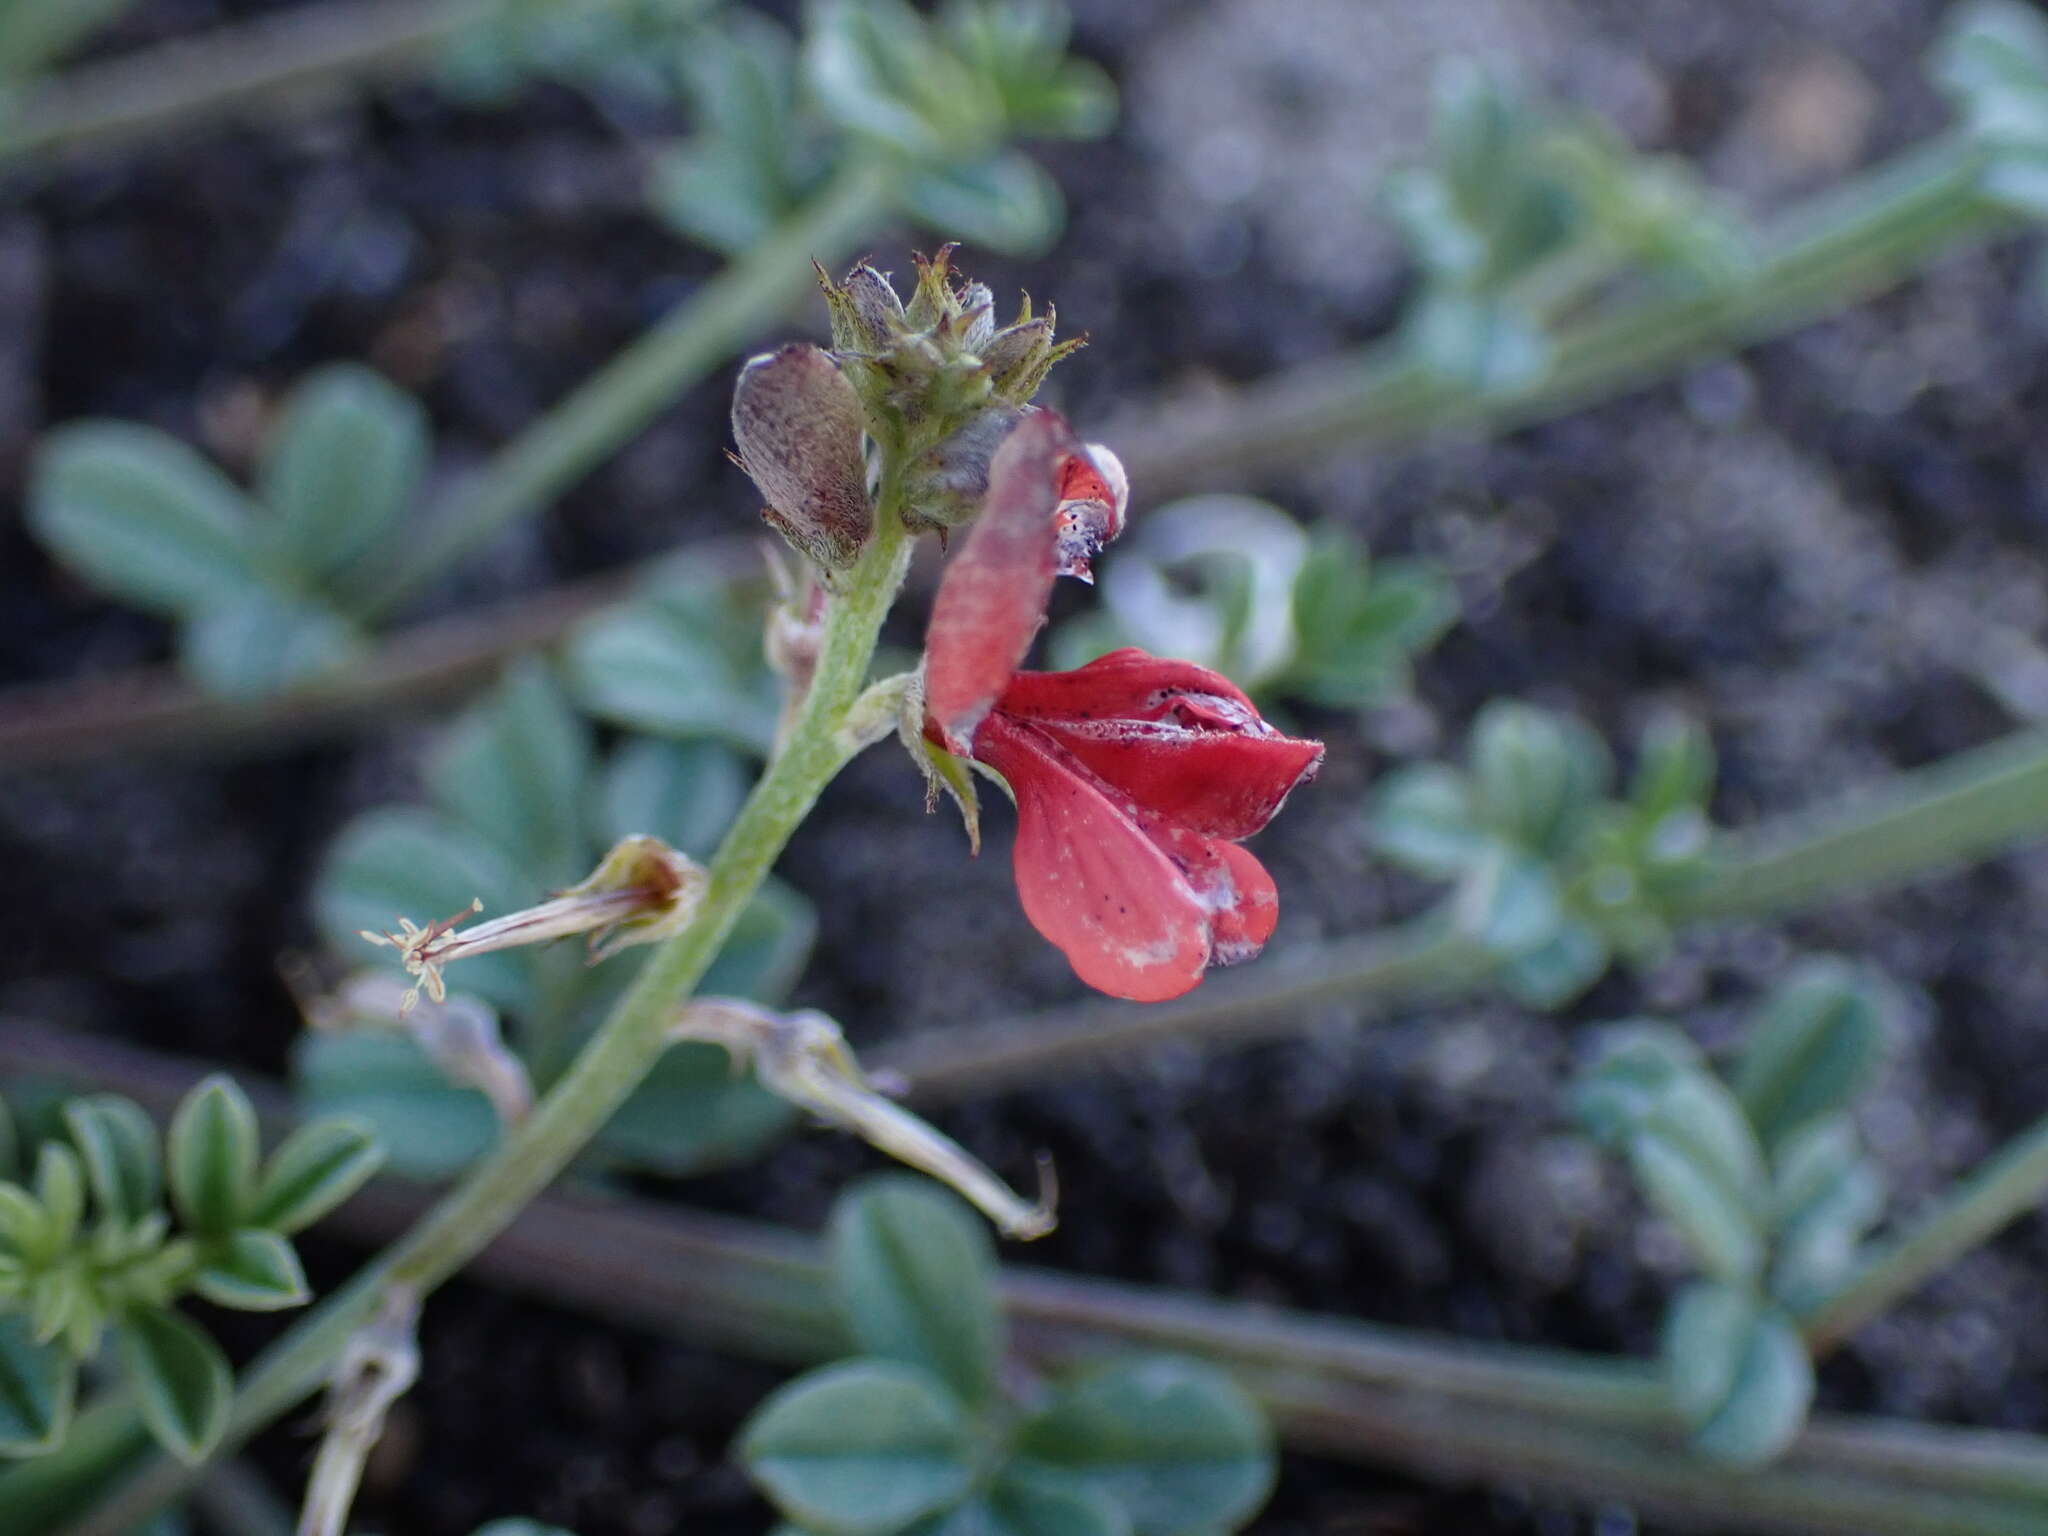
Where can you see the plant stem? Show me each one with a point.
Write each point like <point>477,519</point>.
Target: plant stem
<point>1496,1411</point>
<point>1922,821</point>
<point>294,52</point>
<point>618,401</point>
<point>1421,959</point>
<point>627,1045</point>
<point>2010,1183</point>
<point>1865,236</point>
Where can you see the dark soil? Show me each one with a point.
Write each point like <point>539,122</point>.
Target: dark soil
<point>1793,546</point>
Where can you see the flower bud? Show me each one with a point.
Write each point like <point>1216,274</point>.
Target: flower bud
<point>1020,355</point>
<point>798,425</point>
<point>866,314</point>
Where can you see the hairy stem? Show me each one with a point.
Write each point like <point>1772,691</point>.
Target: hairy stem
<point>618,401</point>
<point>631,1039</point>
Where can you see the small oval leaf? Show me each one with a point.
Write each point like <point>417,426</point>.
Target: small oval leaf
<point>119,1143</point>
<point>319,1166</point>
<point>181,1380</point>
<point>38,1384</point>
<point>252,1271</point>
<point>914,1274</point>
<point>343,466</point>
<point>861,1449</point>
<point>212,1157</point>
<point>1739,1372</point>
<point>1176,1443</point>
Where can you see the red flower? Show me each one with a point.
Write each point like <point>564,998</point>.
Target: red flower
<point>1135,777</point>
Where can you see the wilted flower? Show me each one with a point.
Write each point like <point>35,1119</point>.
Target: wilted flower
<point>1135,777</point>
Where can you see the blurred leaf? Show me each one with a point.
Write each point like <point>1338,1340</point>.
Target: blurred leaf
<point>1020,48</point>
<point>519,1528</point>
<point>403,861</point>
<point>1826,1196</point>
<point>1992,60</point>
<point>430,1128</point>
<point>10,1143</point>
<point>1423,819</point>
<point>1812,1047</point>
<point>680,660</point>
<point>1559,970</point>
<point>1484,345</point>
<point>1175,1442</point>
<point>181,1379</point>
<point>879,72</point>
<point>1031,1503</point>
<point>684,792</point>
<point>1619,1088</point>
<point>1674,768</point>
<point>319,1165</point>
<point>692,1112</point>
<point>1537,775</point>
<point>861,1449</point>
<point>342,467</point>
<point>514,771</point>
<point>142,517</point>
<point>1007,203</point>
<point>1510,904</point>
<point>38,1384</point>
<point>252,1271</point>
<point>914,1274</point>
<point>1739,1373</point>
<point>263,643</point>
<point>211,1156</point>
<point>1361,625</point>
<point>119,1144</point>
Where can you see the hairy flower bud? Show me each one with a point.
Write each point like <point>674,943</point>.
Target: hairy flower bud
<point>947,484</point>
<point>866,313</point>
<point>798,425</point>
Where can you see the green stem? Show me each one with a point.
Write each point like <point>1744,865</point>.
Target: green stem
<point>621,398</point>
<point>1868,235</point>
<point>299,51</point>
<point>631,1039</point>
<point>2007,1186</point>
<point>1920,822</point>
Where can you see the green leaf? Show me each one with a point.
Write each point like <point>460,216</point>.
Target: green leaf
<point>1559,970</point>
<point>264,643</point>
<point>1739,1373</point>
<point>861,1449</point>
<point>60,1190</point>
<point>1537,775</point>
<point>1813,1047</point>
<point>252,1271</point>
<point>1175,1442</point>
<point>429,1127</point>
<point>692,1112</point>
<point>1510,903</point>
<point>1483,345</point>
<point>1423,820</point>
<point>38,1385</point>
<point>405,861</point>
<point>1674,767</point>
<point>119,1144</point>
<point>142,517</point>
<point>1027,1502</point>
<point>181,1380</point>
<point>320,1165</point>
<point>914,1274</point>
<point>212,1156</point>
<point>1007,203</point>
<point>1618,1089</point>
<point>684,792</point>
<point>343,466</point>
<point>514,771</point>
<point>1825,1197</point>
<point>680,660</point>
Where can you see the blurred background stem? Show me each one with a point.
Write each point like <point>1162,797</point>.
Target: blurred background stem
<point>618,401</point>
<point>305,50</point>
<point>1818,260</point>
<point>1582,1426</point>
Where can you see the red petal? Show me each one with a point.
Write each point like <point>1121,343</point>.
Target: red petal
<point>1242,901</point>
<point>1091,880</point>
<point>992,597</point>
<point>1178,739</point>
